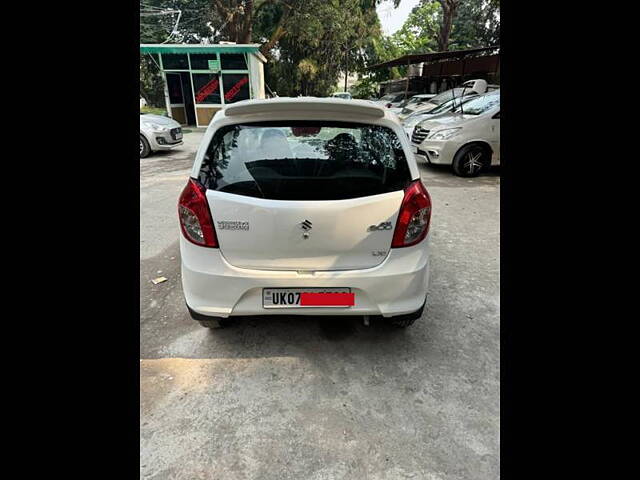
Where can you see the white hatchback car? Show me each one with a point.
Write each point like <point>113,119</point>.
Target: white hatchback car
<point>468,139</point>
<point>158,133</point>
<point>290,211</point>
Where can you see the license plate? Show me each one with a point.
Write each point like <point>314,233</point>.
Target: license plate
<point>298,298</point>
<point>178,136</point>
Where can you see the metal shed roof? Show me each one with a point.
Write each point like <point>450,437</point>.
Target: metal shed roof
<point>433,56</point>
<point>199,48</point>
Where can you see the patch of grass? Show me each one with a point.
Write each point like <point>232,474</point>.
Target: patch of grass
<point>154,110</point>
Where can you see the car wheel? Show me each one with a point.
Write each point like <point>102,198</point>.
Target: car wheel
<point>403,321</point>
<point>470,161</point>
<point>145,149</point>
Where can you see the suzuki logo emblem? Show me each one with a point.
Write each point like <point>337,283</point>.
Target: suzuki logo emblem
<point>306,226</point>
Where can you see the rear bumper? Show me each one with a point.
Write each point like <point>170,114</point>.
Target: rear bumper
<point>213,287</point>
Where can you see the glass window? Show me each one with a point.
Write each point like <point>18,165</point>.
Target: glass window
<point>206,87</point>
<point>175,88</point>
<point>236,87</point>
<point>305,160</point>
<point>481,104</point>
<point>175,61</point>
<point>233,61</point>
<point>200,61</point>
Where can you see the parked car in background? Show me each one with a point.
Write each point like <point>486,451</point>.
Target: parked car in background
<point>158,133</point>
<point>470,87</point>
<point>304,206</point>
<point>412,103</point>
<point>394,99</point>
<point>469,141</point>
<point>343,95</point>
<point>446,108</point>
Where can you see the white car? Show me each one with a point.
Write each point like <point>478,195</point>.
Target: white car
<point>158,133</point>
<point>410,121</point>
<point>342,95</point>
<point>305,206</point>
<point>469,141</point>
<point>409,106</point>
<point>393,100</point>
<point>470,87</point>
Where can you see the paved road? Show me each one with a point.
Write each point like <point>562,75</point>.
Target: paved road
<point>324,398</point>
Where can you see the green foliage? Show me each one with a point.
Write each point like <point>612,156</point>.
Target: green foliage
<point>477,24</point>
<point>154,110</point>
<point>191,28</point>
<point>311,41</point>
<point>151,88</point>
<point>366,88</point>
<point>316,31</point>
<point>418,32</point>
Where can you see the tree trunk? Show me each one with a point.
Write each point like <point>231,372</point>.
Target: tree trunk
<point>278,33</point>
<point>247,32</point>
<point>449,10</point>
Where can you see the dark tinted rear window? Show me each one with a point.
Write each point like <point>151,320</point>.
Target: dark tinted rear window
<point>305,161</point>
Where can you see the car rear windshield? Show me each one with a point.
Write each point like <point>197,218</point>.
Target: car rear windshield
<point>305,160</point>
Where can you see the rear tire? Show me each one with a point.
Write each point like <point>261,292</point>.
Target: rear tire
<point>403,321</point>
<point>145,149</point>
<point>471,160</point>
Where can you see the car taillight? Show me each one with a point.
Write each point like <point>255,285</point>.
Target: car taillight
<point>195,217</point>
<point>415,214</point>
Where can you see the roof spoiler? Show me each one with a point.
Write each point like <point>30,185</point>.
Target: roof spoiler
<point>291,105</point>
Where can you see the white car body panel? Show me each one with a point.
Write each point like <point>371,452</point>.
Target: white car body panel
<point>216,288</point>
<point>331,245</point>
<point>272,253</point>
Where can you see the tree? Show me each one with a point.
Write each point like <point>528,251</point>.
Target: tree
<point>308,41</point>
<point>449,10</point>
<point>318,31</point>
<point>196,21</point>
<point>477,24</point>
<point>151,83</point>
<point>465,23</point>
